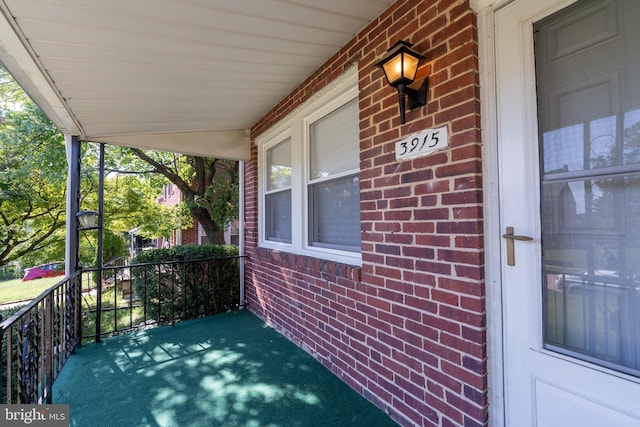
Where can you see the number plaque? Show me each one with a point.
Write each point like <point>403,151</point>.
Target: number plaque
<point>422,144</point>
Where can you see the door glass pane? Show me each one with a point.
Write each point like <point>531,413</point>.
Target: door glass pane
<point>589,130</point>
<point>591,252</point>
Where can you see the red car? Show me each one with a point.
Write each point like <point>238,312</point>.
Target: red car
<point>45,270</point>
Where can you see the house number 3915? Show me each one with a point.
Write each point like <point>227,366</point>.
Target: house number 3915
<point>423,143</point>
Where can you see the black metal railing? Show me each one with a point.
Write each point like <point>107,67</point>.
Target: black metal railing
<point>36,342</point>
<point>136,296</point>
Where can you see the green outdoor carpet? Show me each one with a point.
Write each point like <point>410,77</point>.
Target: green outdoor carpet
<point>225,370</point>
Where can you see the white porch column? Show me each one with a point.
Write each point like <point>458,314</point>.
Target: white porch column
<point>241,248</point>
<point>73,201</point>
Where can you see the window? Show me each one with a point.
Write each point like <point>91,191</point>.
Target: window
<point>309,180</point>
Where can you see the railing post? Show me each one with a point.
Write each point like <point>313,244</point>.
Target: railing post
<point>241,237</point>
<point>1,361</point>
<point>100,240</point>
<point>9,347</point>
<point>48,347</point>
<point>77,307</point>
<point>174,268</point>
<point>144,298</point>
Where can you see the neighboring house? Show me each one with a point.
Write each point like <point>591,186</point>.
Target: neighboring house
<point>493,281</point>
<point>193,235</point>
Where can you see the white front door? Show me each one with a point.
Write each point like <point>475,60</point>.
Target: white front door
<point>568,119</point>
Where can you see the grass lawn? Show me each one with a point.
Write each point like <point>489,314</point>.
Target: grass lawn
<point>112,303</point>
<point>17,290</point>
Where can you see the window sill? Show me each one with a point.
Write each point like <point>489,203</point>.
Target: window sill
<point>323,266</point>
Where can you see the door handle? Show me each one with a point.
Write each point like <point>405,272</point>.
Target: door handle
<point>511,252</point>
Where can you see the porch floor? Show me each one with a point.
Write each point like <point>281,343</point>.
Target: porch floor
<point>225,370</point>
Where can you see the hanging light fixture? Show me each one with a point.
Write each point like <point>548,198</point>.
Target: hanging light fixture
<point>87,219</point>
<point>400,65</point>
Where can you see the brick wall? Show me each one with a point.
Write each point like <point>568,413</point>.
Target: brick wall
<point>407,329</point>
<point>172,196</point>
<point>190,235</point>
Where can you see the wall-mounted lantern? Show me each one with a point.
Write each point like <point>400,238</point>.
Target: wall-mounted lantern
<point>400,65</point>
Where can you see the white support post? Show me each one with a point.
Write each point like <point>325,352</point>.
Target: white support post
<point>241,228</point>
<point>73,202</point>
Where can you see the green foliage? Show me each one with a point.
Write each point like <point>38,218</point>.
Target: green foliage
<point>10,271</point>
<point>53,251</point>
<point>113,246</point>
<point>6,313</point>
<point>209,187</point>
<point>32,176</point>
<point>167,219</point>
<point>185,252</point>
<point>220,196</point>
<point>129,203</point>
<point>208,284</point>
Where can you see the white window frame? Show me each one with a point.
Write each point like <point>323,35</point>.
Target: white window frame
<point>296,127</point>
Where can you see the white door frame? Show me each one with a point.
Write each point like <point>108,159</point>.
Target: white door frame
<point>493,243</point>
<point>485,10</point>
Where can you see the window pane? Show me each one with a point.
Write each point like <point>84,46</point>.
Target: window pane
<point>592,145</point>
<point>334,214</point>
<point>591,249</point>
<point>563,149</point>
<point>278,216</point>
<point>334,142</point>
<point>631,151</point>
<point>279,165</point>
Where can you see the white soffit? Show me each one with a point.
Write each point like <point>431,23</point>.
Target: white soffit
<point>178,75</point>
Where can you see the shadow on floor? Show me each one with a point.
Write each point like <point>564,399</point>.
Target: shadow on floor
<point>225,370</point>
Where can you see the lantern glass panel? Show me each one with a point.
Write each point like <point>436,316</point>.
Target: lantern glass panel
<point>401,68</point>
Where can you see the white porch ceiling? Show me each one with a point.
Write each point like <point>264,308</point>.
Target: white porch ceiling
<point>180,75</point>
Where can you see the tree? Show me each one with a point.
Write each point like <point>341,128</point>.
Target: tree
<point>209,187</point>
<point>32,175</point>
<point>130,202</point>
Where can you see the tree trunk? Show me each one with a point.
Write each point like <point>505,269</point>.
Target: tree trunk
<point>205,174</point>
<point>214,233</point>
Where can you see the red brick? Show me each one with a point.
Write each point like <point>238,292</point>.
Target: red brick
<point>418,299</point>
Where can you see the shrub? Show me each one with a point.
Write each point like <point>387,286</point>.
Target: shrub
<point>185,252</point>
<point>186,281</point>
<point>11,271</point>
